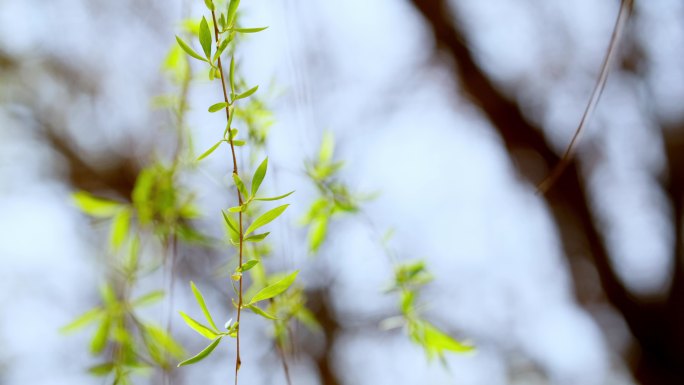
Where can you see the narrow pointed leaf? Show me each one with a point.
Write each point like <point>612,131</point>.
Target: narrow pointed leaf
<point>232,11</point>
<point>247,93</point>
<point>266,218</point>
<point>240,185</point>
<point>275,289</point>
<point>83,320</point>
<point>249,30</point>
<point>259,175</point>
<point>99,341</point>
<point>198,327</point>
<point>119,231</point>
<point>96,207</point>
<point>149,298</point>
<point>261,312</point>
<point>200,300</point>
<point>217,107</point>
<point>205,37</point>
<point>247,265</point>
<point>189,50</point>
<point>209,4</point>
<point>274,198</point>
<point>210,150</point>
<point>201,355</point>
<point>221,48</point>
<point>256,237</point>
<point>231,74</point>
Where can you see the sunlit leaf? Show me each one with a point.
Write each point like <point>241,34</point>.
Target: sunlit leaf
<point>96,207</point>
<point>240,185</point>
<point>232,11</point>
<point>198,327</point>
<point>247,265</point>
<point>210,150</point>
<point>435,339</point>
<point>259,175</point>
<point>189,50</point>
<point>101,369</point>
<point>201,355</point>
<point>82,321</point>
<point>99,341</point>
<point>327,147</point>
<point>266,218</point>
<point>200,300</point>
<point>256,237</point>
<point>317,232</point>
<point>120,225</point>
<point>209,4</point>
<point>249,30</point>
<point>247,93</point>
<point>275,289</point>
<point>261,312</point>
<point>149,298</point>
<point>218,106</point>
<point>274,198</point>
<point>205,37</point>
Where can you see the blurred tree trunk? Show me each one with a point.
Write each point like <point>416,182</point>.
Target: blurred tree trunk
<point>657,356</point>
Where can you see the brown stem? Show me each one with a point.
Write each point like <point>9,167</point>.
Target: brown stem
<point>238,362</point>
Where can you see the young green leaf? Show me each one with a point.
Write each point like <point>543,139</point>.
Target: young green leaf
<point>247,93</point>
<point>266,218</point>
<point>210,150</point>
<point>200,300</point>
<point>274,198</point>
<point>205,37</point>
<point>198,327</point>
<point>231,223</point>
<point>82,321</point>
<point>96,207</point>
<point>120,225</point>
<point>217,107</point>
<point>238,143</point>
<point>189,50</point>
<point>327,147</point>
<point>232,11</point>
<point>148,298</point>
<point>317,231</point>
<point>261,312</point>
<point>259,175</point>
<point>249,30</point>
<point>201,355</point>
<point>100,370</point>
<point>275,289</point>
<point>99,341</point>
<point>438,341</point>
<point>209,4</point>
<point>247,265</point>
<point>231,72</point>
<point>256,237</point>
<point>240,185</point>
<point>221,48</point>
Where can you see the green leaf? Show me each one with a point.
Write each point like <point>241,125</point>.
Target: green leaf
<point>210,150</point>
<point>327,147</point>
<point>232,225</point>
<point>231,73</point>
<point>247,265</point>
<point>96,207</point>
<point>249,30</point>
<point>222,47</point>
<point>82,321</point>
<point>275,289</point>
<point>218,106</point>
<point>256,237</point>
<point>210,4</point>
<point>198,327</point>
<point>438,341</point>
<point>274,198</point>
<point>240,185</point>
<point>205,37</point>
<point>261,312</point>
<point>259,175</point>
<point>201,355</point>
<point>266,218</point>
<point>189,50</point>
<point>232,11</point>
<point>162,339</point>
<point>148,298</point>
<point>100,370</point>
<point>200,300</point>
<point>238,143</point>
<point>120,225</point>
<point>247,93</point>
<point>99,341</point>
<point>317,231</point>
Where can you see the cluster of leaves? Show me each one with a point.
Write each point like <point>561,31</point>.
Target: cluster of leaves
<point>409,278</point>
<point>334,197</point>
<point>127,341</point>
<point>256,118</point>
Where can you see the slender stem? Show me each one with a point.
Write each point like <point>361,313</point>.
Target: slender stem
<point>283,360</point>
<point>238,362</point>
<point>623,15</point>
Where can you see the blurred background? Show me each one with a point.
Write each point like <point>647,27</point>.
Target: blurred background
<point>452,111</point>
